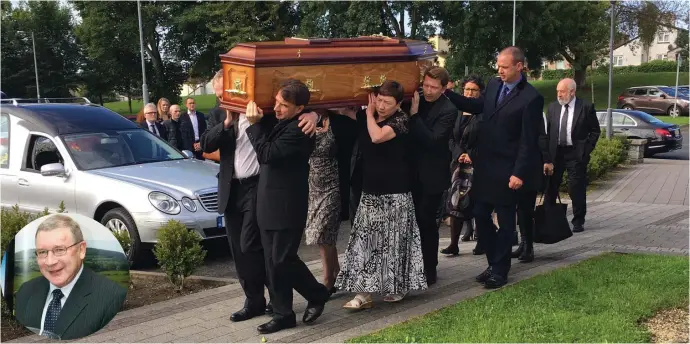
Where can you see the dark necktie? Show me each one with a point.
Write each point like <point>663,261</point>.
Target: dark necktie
<point>153,128</point>
<point>563,133</point>
<point>503,94</point>
<point>53,312</point>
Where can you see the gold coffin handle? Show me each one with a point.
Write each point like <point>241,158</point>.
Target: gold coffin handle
<point>310,85</point>
<point>366,84</point>
<point>237,88</point>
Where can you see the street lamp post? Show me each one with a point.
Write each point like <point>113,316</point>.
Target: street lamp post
<point>33,43</point>
<point>144,88</point>
<point>609,111</point>
<point>514,5</point>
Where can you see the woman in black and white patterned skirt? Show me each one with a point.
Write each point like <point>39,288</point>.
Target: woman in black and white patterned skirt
<point>384,252</point>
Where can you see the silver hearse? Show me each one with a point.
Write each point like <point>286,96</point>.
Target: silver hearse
<point>104,166</point>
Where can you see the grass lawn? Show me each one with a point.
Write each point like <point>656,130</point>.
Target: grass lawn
<point>203,104</point>
<point>601,299</point>
<point>680,120</point>
<point>600,92</point>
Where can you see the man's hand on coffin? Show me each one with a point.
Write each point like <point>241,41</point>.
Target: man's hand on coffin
<point>371,107</point>
<point>414,108</point>
<point>307,121</point>
<point>254,113</point>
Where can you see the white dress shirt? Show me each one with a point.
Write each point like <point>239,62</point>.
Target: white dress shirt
<point>195,124</point>
<point>571,115</point>
<point>155,128</point>
<point>246,162</point>
<point>65,292</point>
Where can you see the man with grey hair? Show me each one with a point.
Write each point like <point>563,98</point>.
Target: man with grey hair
<point>68,300</point>
<point>573,131</point>
<point>151,123</point>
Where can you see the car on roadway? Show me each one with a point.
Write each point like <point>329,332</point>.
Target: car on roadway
<point>661,137</point>
<point>654,100</point>
<point>104,166</point>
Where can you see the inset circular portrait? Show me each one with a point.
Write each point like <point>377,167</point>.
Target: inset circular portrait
<point>70,276</point>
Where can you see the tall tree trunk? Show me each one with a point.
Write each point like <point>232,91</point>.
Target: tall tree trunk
<point>580,76</point>
<point>100,98</point>
<point>401,23</point>
<point>414,22</point>
<point>129,99</point>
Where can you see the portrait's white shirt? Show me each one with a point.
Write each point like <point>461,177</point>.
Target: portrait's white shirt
<point>65,292</point>
<point>246,162</point>
<point>571,115</point>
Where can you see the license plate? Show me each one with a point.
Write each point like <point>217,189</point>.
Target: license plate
<point>220,221</point>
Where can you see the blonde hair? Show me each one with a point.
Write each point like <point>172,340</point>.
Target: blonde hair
<point>163,116</point>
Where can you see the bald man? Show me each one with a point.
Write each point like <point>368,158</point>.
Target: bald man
<point>573,131</point>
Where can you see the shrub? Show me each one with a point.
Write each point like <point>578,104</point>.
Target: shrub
<point>123,238</point>
<point>12,221</point>
<point>607,155</point>
<point>655,66</point>
<point>178,252</point>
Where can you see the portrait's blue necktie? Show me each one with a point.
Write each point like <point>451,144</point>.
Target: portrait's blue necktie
<point>53,312</point>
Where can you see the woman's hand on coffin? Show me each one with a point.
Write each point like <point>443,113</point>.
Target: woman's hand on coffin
<point>371,107</point>
<point>307,121</point>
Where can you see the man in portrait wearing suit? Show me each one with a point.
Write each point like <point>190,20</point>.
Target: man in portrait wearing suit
<point>283,151</point>
<point>198,125</point>
<point>573,131</point>
<point>151,124</point>
<point>431,125</point>
<point>508,157</point>
<point>68,300</point>
<point>237,192</point>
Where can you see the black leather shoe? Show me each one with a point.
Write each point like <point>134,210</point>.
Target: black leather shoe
<point>527,255</point>
<point>451,250</point>
<point>276,325</point>
<point>312,312</point>
<point>494,282</point>
<point>482,277</point>
<point>518,252</point>
<point>478,250</point>
<point>578,229</point>
<point>269,308</point>
<point>245,314</point>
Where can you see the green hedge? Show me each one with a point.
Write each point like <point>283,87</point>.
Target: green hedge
<point>655,66</point>
<point>607,155</point>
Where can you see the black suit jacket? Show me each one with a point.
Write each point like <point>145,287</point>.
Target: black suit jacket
<point>180,133</point>
<point>283,190</point>
<point>508,140</point>
<point>201,118</point>
<point>584,133</point>
<point>430,133</point>
<point>161,129</point>
<point>216,137</point>
<point>92,303</point>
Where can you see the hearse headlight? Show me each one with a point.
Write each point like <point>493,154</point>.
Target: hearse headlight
<point>189,204</point>
<point>164,203</point>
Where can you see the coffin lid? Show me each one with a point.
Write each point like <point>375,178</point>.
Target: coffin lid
<point>315,51</point>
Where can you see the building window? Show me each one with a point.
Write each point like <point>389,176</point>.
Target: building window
<point>618,60</point>
<point>560,64</point>
<point>664,37</point>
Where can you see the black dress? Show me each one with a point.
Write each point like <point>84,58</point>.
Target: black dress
<point>384,253</point>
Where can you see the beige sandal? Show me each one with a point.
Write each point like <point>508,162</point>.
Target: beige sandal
<point>360,301</point>
<point>394,297</point>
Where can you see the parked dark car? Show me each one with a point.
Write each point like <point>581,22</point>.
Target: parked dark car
<point>661,137</point>
<point>654,100</point>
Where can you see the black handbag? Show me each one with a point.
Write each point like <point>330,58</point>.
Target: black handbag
<point>551,222</point>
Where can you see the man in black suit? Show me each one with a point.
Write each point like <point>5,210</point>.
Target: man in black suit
<point>431,125</point>
<point>179,130</point>
<point>507,157</point>
<point>68,300</point>
<point>198,124</point>
<point>151,124</point>
<point>573,131</point>
<point>282,199</point>
<point>237,189</point>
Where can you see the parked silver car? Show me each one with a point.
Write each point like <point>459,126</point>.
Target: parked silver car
<point>106,167</point>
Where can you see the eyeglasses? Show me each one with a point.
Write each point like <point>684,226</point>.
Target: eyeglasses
<point>471,89</point>
<point>150,113</point>
<point>58,251</point>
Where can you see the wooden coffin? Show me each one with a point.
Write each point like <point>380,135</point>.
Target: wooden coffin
<point>339,72</point>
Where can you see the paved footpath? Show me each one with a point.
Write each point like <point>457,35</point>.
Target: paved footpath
<point>643,208</point>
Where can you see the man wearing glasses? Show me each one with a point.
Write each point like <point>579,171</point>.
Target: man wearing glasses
<point>68,301</point>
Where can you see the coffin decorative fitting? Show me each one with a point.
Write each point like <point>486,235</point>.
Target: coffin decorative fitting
<point>367,81</point>
<point>310,85</point>
<point>299,53</point>
<point>237,88</point>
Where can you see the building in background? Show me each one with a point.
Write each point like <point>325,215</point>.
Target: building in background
<point>442,47</point>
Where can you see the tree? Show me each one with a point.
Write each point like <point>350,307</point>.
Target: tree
<point>56,50</point>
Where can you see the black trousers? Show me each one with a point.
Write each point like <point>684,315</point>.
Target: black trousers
<point>497,244</point>
<point>286,271</point>
<point>245,241</point>
<point>426,208</point>
<point>525,214</point>
<point>567,160</point>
